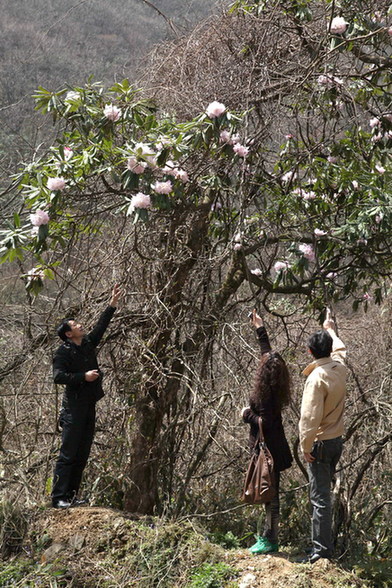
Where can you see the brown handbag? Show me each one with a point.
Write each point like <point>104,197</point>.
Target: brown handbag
<point>259,486</point>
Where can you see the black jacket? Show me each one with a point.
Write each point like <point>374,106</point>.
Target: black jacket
<point>71,362</point>
<point>271,415</point>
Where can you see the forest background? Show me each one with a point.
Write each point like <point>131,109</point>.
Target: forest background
<point>276,196</point>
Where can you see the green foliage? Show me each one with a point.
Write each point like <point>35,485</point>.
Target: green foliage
<point>227,540</point>
<point>28,574</point>
<point>346,194</point>
<point>377,571</point>
<point>212,576</point>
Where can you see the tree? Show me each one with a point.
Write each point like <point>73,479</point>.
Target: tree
<point>228,206</point>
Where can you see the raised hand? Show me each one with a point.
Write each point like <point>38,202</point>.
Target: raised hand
<point>329,323</point>
<point>116,294</point>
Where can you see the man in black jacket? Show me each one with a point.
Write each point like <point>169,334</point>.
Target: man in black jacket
<point>75,365</point>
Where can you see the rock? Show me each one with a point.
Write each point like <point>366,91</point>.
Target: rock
<point>247,581</point>
<point>77,541</point>
<point>52,552</point>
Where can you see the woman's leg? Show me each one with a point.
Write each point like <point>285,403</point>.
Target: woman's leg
<point>271,525</point>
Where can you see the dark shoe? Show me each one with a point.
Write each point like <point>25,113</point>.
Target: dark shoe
<point>311,559</point>
<point>82,502</point>
<point>61,504</point>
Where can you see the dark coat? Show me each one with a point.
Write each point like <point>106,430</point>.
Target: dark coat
<point>71,362</point>
<point>271,415</point>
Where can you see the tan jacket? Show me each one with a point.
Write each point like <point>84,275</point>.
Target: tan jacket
<point>323,397</point>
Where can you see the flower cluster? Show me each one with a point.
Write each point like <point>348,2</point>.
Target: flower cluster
<point>304,194</point>
<point>240,150</point>
<point>140,200</point>
<point>135,166</point>
<point>162,187</point>
<point>281,266</point>
<point>112,112</point>
<point>329,81</point>
<point>307,251</point>
<point>338,25</point>
<point>56,184</point>
<point>215,109</point>
<point>40,217</point>
<point>226,137</point>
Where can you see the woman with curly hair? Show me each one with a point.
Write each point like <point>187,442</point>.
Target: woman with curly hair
<point>271,393</point>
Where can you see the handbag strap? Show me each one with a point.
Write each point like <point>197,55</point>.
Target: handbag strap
<point>261,434</point>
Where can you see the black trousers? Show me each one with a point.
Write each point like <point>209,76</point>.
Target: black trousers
<point>77,420</point>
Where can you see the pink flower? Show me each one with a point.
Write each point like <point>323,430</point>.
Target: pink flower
<point>367,296</point>
<point>238,238</point>
<point>112,112</point>
<point>332,275</point>
<point>374,122</point>
<point>235,138</point>
<point>140,200</point>
<point>307,251</point>
<point>40,217</point>
<point>256,272</point>
<point>215,109</point>
<point>380,168</point>
<point>377,138</point>
<point>319,232</point>
<point>355,184</point>
<point>338,25</point>
<point>67,153</point>
<point>289,136</point>
<point>329,81</point>
<point>162,187</point>
<point>332,159</point>
<point>240,150</point>
<point>281,266</point>
<point>309,195</point>
<point>225,137</point>
<point>182,175</point>
<point>56,183</point>
<point>290,175</point>
<point>170,169</point>
<point>237,246</point>
<point>137,167</point>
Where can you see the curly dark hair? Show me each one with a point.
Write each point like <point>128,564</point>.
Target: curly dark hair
<point>272,381</point>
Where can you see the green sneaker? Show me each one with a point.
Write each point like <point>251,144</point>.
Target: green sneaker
<point>264,545</point>
<point>258,545</point>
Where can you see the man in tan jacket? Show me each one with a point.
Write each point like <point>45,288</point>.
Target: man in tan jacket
<point>321,428</point>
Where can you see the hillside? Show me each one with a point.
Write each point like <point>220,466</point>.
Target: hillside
<point>91,547</point>
<point>57,42</point>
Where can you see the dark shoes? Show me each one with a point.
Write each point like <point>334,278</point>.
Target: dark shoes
<point>312,558</point>
<point>81,502</point>
<point>63,504</point>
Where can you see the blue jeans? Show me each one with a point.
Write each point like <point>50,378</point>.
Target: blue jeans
<point>321,472</point>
